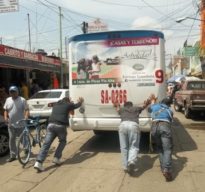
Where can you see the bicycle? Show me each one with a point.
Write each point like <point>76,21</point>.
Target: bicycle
<point>27,139</point>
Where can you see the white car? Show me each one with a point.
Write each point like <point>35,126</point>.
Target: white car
<point>41,102</point>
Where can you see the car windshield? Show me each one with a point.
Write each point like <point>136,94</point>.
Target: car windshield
<point>196,86</point>
<point>42,95</point>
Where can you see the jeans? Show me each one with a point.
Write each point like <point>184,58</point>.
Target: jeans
<point>13,134</point>
<point>53,131</point>
<point>162,137</point>
<point>129,136</point>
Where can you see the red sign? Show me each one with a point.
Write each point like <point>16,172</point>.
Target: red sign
<point>21,54</point>
<point>133,42</point>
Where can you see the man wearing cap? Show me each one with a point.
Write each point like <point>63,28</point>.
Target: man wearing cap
<point>162,116</point>
<point>15,109</point>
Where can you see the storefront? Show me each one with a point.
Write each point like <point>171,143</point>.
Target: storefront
<point>17,65</point>
<point>180,65</point>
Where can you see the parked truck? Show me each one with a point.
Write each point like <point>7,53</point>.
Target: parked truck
<point>191,97</point>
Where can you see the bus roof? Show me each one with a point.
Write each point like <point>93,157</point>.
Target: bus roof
<point>116,34</point>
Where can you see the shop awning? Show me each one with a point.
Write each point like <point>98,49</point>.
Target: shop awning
<point>16,58</point>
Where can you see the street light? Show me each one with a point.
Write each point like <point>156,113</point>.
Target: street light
<point>179,20</point>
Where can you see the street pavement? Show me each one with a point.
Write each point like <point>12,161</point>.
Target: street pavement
<point>93,164</point>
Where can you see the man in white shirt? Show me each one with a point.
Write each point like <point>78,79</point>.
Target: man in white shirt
<point>15,109</point>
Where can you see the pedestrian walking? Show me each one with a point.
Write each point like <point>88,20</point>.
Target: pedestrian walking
<point>129,133</point>
<point>162,117</point>
<point>57,127</point>
<point>15,109</point>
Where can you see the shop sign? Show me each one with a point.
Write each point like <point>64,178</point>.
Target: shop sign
<point>21,54</point>
<point>97,26</point>
<point>9,6</point>
<point>190,51</point>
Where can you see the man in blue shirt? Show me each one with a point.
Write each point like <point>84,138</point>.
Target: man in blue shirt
<point>162,117</point>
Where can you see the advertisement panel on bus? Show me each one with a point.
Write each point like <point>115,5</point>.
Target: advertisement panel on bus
<point>114,67</point>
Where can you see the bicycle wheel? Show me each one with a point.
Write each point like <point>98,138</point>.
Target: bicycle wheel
<point>24,148</point>
<point>41,134</point>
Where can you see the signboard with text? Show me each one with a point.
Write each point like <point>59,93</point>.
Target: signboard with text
<point>190,51</point>
<point>16,58</point>
<point>21,54</point>
<point>97,26</point>
<point>9,6</point>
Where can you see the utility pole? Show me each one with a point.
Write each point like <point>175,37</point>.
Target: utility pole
<point>66,63</point>
<point>66,50</point>
<point>37,45</point>
<point>28,70</point>
<point>60,29</point>
<point>29,32</point>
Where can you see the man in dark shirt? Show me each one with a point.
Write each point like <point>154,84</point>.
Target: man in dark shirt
<point>129,133</point>
<point>58,122</point>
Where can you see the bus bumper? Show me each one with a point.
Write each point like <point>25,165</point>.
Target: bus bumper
<point>104,124</point>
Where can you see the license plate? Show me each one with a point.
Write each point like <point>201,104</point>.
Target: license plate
<point>38,106</point>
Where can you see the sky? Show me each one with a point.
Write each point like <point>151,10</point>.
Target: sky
<point>160,15</point>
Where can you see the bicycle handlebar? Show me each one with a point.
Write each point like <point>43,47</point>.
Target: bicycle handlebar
<point>28,122</point>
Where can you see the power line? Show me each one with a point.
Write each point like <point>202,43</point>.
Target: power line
<point>134,5</point>
<point>49,7</point>
<point>35,13</point>
<point>191,29</point>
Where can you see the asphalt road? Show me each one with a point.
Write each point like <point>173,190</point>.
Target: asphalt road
<point>93,164</point>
